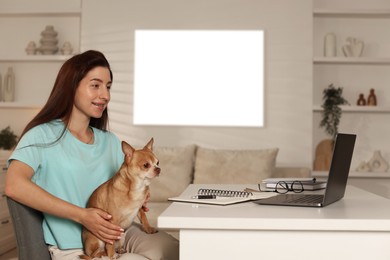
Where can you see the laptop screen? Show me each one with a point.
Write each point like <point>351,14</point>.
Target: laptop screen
<point>339,169</point>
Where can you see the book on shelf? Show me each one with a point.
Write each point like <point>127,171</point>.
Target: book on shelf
<point>307,183</point>
<point>221,197</point>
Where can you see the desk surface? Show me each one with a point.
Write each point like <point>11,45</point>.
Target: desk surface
<point>359,210</point>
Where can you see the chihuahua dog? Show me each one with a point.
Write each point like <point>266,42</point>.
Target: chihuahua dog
<point>122,197</point>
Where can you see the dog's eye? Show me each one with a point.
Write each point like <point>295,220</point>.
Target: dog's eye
<point>146,165</point>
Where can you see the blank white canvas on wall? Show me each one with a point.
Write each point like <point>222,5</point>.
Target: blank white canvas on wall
<point>199,78</point>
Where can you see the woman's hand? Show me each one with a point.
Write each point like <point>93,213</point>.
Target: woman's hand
<point>98,223</point>
<point>20,188</point>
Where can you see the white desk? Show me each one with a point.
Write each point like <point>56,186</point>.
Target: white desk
<point>356,227</point>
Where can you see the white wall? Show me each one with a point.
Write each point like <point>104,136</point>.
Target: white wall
<point>109,26</point>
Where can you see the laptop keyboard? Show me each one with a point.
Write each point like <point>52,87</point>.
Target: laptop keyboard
<point>307,199</point>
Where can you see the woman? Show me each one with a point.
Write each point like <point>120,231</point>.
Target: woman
<point>65,153</point>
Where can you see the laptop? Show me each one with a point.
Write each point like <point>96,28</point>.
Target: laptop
<point>336,183</point>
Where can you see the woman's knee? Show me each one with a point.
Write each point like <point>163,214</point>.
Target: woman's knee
<point>153,246</point>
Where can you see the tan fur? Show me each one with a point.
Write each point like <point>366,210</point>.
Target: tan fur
<point>122,196</point>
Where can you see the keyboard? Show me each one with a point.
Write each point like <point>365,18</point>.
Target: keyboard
<point>306,199</point>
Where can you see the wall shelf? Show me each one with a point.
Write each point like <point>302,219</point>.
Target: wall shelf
<point>49,13</point>
<point>20,105</point>
<point>34,58</point>
<point>352,12</point>
<point>353,174</point>
<point>352,60</point>
<point>358,109</point>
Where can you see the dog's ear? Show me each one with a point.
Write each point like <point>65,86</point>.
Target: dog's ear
<point>127,149</point>
<point>149,145</point>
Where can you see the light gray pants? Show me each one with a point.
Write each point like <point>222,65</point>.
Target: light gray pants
<point>139,245</point>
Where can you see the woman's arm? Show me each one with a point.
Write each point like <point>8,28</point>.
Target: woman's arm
<point>18,186</point>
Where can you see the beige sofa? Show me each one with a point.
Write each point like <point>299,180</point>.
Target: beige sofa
<point>181,166</point>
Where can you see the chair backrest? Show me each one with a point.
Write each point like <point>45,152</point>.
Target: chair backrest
<point>28,230</point>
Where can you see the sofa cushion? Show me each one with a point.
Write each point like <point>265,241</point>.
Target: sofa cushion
<point>233,166</point>
<point>291,172</point>
<point>177,166</point>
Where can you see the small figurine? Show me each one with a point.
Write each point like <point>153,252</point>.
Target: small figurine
<point>361,101</point>
<point>371,100</point>
<point>363,167</point>
<point>66,48</point>
<point>31,48</point>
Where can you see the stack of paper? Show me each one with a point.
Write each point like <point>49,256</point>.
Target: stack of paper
<point>307,183</point>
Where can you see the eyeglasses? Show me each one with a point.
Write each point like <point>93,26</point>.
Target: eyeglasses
<point>284,187</point>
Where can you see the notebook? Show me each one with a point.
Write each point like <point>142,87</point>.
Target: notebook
<point>336,183</point>
<point>220,197</point>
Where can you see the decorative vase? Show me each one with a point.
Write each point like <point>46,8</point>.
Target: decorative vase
<point>9,86</point>
<point>377,163</point>
<point>361,101</point>
<point>48,41</point>
<point>330,45</point>
<point>353,48</point>
<point>371,100</point>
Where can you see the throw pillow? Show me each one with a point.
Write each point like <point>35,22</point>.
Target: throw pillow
<point>177,166</point>
<point>233,166</point>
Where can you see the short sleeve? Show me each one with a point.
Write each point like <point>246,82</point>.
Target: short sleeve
<point>29,149</point>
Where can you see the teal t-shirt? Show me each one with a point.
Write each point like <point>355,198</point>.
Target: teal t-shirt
<point>68,169</point>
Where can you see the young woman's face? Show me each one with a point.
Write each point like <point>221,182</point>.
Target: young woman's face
<point>93,93</point>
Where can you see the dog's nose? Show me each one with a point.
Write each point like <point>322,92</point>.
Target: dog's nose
<point>157,170</point>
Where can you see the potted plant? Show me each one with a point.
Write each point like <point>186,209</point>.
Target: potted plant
<point>8,140</point>
<point>331,115</point>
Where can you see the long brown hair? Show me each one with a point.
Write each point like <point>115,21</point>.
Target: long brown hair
<point>60,102</point>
